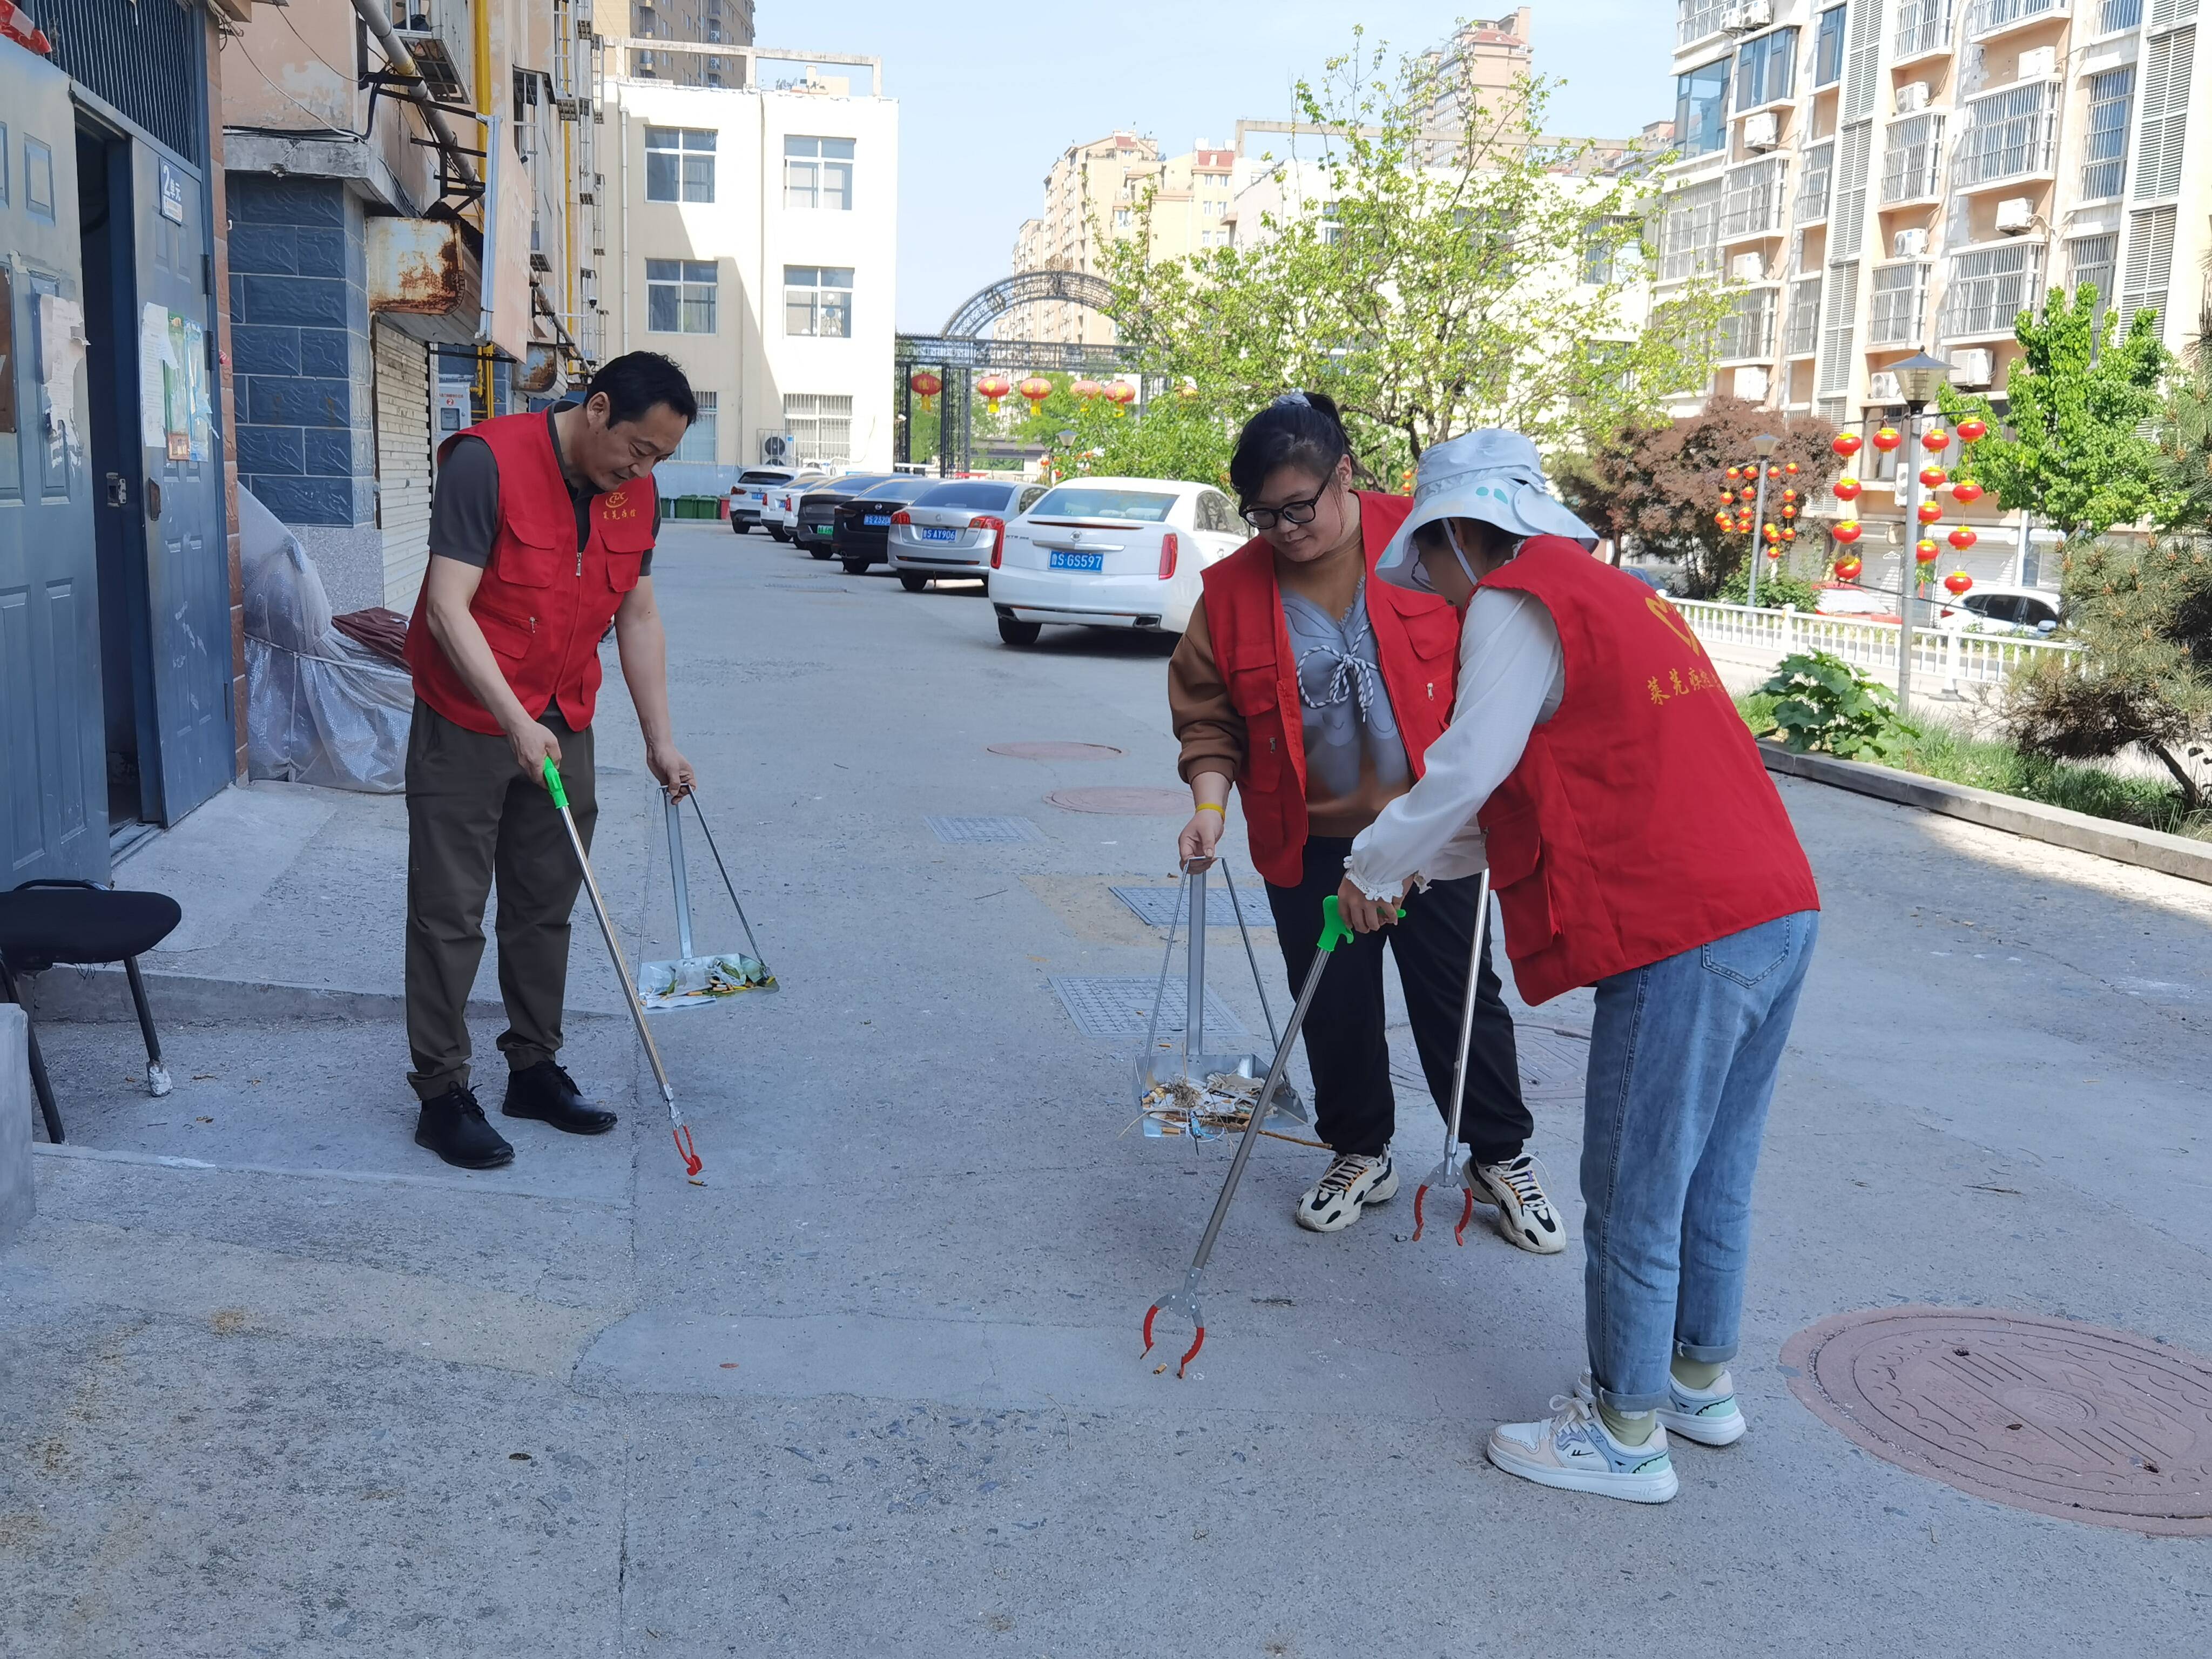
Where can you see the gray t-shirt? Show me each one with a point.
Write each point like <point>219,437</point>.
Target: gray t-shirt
<point>464,506</point>
<point>1349,722</point>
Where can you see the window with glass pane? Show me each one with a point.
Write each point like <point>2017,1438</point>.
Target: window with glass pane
<point>679,165</point>
<point>680,296</point>
<point>1606,245</point>
<point>2093,260</point>
<point>1910,158</point>
<point>817,172</point>
<point>2120,14</point>
<point>1812,183</point>
<point>818,300</point>
<point>2105,145</point>
<point>1752,197</point>
<point>821,427</point>
<point>2008,134</point>
<point>1828,47</point>
<point>1804,335</point>
<point>1766,69</point>
<point>1690,235</point>
<point>1898,304</point>
<point>1747,329</point>
<point>1701,109</point>
<point>698,443</point>
<point>1988,289</point>
<point>1922,26</point>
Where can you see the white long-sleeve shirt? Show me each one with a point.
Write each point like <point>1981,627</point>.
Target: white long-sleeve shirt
<point>1512,677</point>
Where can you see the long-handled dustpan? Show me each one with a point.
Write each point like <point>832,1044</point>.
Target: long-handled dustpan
<point>693,981</point>
<point>692,1162</point>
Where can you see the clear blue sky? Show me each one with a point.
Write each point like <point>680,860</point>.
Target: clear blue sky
<point>989,94</point>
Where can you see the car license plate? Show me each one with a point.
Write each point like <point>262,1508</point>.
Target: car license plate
<point>877,520</point>
<point>825,529</point>
<point>931,534</point>
<point>1078,562</point>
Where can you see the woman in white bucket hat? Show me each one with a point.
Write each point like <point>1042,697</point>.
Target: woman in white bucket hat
<point>1635,844</point>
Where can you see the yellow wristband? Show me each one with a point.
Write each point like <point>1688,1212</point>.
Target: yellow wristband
<point>1209,806</point>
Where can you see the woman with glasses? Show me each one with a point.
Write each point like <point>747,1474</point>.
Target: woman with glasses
<point>1317,691</point>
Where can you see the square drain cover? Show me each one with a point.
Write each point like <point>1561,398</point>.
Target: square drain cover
<point>1121,1006</point>
<point>1156,906</point>
<point>985,829</point>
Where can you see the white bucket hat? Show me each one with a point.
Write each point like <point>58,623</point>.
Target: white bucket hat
<point>1489,474</point>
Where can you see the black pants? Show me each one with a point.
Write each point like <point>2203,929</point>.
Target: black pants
<point>1355,1109</point>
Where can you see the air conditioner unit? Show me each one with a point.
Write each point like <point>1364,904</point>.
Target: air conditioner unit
<point>1912,97</point>
<point>1748,267</point>
<point>1882,388</point>
<point>2043,61</point>
<point>2015,216</point>
<point>1763,131</point>
<point>1910,244</point>
<point>1971,368</point>
<point>1751,384</point>
<point>777,448</point>
<point>1749,15</point>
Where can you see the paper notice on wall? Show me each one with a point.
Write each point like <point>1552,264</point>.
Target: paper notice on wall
<point>176,407</point>
<point>60,350</point>
<point>152,376</point>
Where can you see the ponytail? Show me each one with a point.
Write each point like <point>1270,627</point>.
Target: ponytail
<point>1299,428</point>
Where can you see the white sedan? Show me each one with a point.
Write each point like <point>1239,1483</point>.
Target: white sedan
<point>1110,553</point>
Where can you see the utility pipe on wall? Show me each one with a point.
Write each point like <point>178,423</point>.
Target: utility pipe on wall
<point>402,61</point>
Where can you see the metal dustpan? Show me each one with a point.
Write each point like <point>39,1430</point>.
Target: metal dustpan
<point>1180,1087</point>
<point>693,981</point>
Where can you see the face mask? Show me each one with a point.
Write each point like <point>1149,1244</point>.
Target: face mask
<point>1460,553</point>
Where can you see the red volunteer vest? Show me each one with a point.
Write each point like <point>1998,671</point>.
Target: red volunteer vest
<point>542,604</point>
<point>1640,822</point>
<point>1416,636</point>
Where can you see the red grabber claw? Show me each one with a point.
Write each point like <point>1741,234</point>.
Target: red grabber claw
<point>1192,1354</point>
<point>1150,1314</point>
<point>1466,1215</point>
<point>1420,1197</point>
<point>692,1162</point>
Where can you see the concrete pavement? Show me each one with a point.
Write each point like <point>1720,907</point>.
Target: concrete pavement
<point>274,1381</point>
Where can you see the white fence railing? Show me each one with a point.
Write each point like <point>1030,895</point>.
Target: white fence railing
<point>1940,657</point>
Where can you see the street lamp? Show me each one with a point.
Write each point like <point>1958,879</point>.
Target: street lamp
<point>1766,443</point>
<point>1918,378</point>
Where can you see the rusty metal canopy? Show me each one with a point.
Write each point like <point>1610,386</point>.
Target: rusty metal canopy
<point>2069,1420</point>
<point>423,280</point>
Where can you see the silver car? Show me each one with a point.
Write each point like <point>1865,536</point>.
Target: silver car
<point>956,529</point>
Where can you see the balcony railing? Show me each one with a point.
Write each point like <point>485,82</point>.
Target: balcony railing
<point>1803,338</point>
<point>1922,26</point>
<point>1748,331</point>
<point>1912,160</point>
<point>1897,309</point>
<point>1988,289</point>
<point>2009,135</point>
<point>1813,186</point>
<point>1990,15</point>
<point>1696,19</point>
<point>2116,15</point>
<point>1751,198</point>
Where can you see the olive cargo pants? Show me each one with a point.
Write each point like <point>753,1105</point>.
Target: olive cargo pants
<point>472,816</point>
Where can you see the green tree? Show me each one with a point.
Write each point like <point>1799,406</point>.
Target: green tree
<point>1431,279</point>
<point>2070,448</point>
<point>2185,435</point>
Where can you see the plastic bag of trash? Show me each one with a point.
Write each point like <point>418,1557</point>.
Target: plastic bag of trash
<point>319,709</point>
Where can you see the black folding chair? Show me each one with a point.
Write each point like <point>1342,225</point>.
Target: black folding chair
<point>42,923</point>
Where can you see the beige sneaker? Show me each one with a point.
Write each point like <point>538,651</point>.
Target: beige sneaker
<point>1352,1182</point>
<point>1525,1216</point>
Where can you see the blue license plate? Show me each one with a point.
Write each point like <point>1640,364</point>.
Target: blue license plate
<point>877,520</point>
<point>935,535</point>
<point>1078,562</point>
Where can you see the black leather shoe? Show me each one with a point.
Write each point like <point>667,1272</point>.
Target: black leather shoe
<point>548,1094</point>
<point>453,1126</point>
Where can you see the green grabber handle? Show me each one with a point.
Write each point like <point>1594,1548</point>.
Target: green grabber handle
<point>1333,932</point>
<point>560,796</point>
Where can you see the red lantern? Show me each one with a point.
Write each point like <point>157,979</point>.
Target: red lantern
<point>1957,582</point>
<point>1086,388</point>
<point>1848,531</point>
<point>1724,520</point>
<point>1773,532</point>
<point>1789,494</point>
<point>1774,551</point>
<point>1973,431</point>
<point>1965,492</point>
<point>1925,550</point>
<point>1934,439</point>
<point>1187,391</point>
<point>1733,473</point>
<point>1791,468</point>
<point>1789,512</point>
<point>1728,498</point>
<point>1848,489</point>
<point>990,388</point>
<point>1847,444</point>
<point>1036,389</point>
<point>1963,538</point>
<point>1121,394</point>
<point>1931,512</point>
<point>925,386</point>
<point>1789,533</point>
<point>1888,439</point>
<point>1848,567</point>
<point>1935,477</point>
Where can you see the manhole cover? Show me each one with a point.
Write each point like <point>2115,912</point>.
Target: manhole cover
<point>2063,1420</point>
<point>969,830</point>
<point>1120,1005</point>
<point>1123,801</point>
<point>1056,751</point>
<point>1158,906</point>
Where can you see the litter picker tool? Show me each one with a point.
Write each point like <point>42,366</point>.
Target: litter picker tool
<point>693,981</point>
<point>682,1131</point>
<point>1452,1172</point>
<point>1334,933</point>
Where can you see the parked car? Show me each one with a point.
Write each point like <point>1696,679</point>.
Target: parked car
<point>749,496</point>
<point>1849,599</point>
<point>1998,608</point>
<point>863,522</point>
<point>780,511</point>
<point>1111,553</point>
<point>816,526</point>
<point>954,529</point>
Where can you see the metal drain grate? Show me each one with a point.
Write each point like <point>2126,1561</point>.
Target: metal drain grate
<point>974,830</point>
<point>1121,1006</point>
<point>1156,906</point>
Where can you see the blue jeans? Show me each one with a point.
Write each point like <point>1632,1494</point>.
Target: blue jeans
<point>1683,1055</point>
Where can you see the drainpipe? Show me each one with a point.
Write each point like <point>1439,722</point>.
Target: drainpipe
<point>403,63</point>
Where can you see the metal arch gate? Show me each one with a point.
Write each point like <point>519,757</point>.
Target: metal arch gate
<point>960,351</point>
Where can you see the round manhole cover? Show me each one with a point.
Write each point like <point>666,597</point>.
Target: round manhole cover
<point>1056,751</point>
<point>1124,801</point>
<point>2069,1420</point>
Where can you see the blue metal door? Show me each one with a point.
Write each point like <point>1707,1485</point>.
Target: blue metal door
<point>51,736</point>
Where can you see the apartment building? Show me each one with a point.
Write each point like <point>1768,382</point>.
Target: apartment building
<point>1878,178</point>
<point>756,241</point>
<point>696,22</point>
<point>1092,191</point>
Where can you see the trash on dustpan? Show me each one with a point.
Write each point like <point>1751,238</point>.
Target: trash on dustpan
<point>697,981</point>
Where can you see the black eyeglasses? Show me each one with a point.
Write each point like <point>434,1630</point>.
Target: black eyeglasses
<point>1292,513</point>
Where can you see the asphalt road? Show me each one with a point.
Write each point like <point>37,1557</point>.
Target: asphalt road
<point>875,1387</point>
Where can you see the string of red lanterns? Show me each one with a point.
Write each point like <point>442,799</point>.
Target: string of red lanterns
<point>1964,491</point>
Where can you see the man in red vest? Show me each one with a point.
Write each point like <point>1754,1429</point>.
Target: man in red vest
<point>541,535</point>
<point>1635,844</point>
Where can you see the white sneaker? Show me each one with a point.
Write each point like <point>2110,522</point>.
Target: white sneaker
<point>1525,1216</point>
<point>1709,1416</point>
<point>1334,1202</point>
<point>1574,1450</point>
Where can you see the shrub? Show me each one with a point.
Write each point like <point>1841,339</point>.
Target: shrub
<point>1823,704</point>
<point>1776,588</point>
